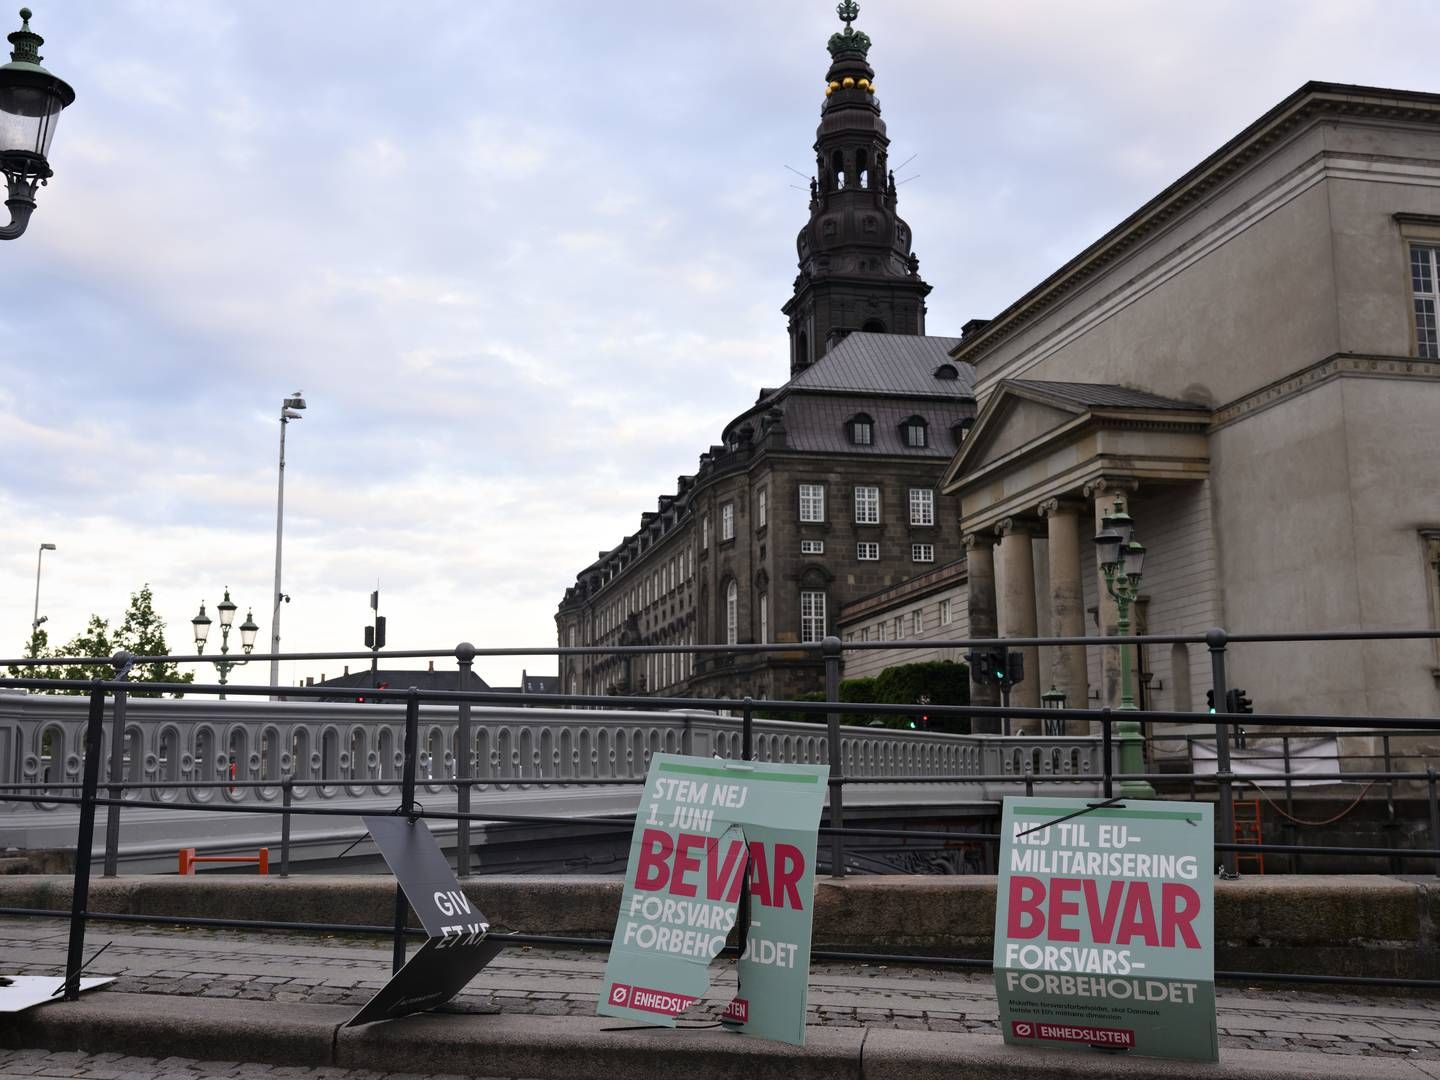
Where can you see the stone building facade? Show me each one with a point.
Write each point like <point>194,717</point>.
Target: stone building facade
<point>825,489</point>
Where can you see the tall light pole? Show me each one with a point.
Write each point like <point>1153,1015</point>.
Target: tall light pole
<point>1122,558</point>
<point>290,410</point>
<point>35,617</point>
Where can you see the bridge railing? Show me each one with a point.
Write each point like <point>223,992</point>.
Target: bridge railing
<point>855,756</point>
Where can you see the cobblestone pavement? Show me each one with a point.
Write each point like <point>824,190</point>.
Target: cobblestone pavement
<point>348,970</point>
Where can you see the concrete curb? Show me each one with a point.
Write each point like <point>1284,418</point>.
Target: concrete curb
<point>1329,925</point>
<point>566,1048</point>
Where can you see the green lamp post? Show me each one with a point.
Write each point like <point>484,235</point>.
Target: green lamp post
<point>248,629</point>
<point>1122,559</point>
<point>30,102</point>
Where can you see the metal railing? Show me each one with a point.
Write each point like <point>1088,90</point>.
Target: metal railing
<point>739,737</point>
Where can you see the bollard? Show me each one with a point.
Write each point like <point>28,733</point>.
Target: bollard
<point>1215,640</point>
<point>464,659</point>
<point>84,841</point>
<point>287,794</point>
<point>1029,781</point>
<point>830,649</point>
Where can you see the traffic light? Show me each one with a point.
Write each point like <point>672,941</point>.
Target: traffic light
<point>1014,668</point>
<point>1236,701</point>
<point>375,635</point>
<point>1210,700</point>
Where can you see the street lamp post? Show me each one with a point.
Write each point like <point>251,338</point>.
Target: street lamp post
<point>1054,698</point>
<point>30,102</point>
<point>291,409</point>
<point>226,610</point>
<point>35,619</point>
<point>1122,559</point>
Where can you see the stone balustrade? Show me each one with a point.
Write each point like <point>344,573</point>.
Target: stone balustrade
<point>358,749</point>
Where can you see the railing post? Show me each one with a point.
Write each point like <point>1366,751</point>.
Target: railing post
<point>407,808</point>
<point>1289,829</point>
<point>121,662</point>
<point>1215,640</point>
<point>1434,816</point>
<point>287,794</point>
<point>84,841</point>
<point>747,732</point>
<point>1107,752</point>
<point>1030,781</point>
<point>830,650</point>
<point>464,659</point>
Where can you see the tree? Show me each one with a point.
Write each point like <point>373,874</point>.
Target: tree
<point>141,632</point>
<point>935,682</point>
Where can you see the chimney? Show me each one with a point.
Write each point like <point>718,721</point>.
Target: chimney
<point>347,669</point>
<point>432,665</point>
<point>309,680</point>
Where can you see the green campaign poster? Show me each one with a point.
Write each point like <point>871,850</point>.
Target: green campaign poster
<point>705,826</point>
<point>1105,926</point>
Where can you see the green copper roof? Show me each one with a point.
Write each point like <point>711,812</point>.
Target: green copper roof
<point>849,40</point>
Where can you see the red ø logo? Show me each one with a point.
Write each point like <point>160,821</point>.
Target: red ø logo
<point>619,994</point>
<point>1023,1030</point>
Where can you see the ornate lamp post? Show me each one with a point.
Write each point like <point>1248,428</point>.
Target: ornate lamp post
<point>1122,559</point>
<point>1054,698</point>
<point>30,102</point>
<point>226,610</point>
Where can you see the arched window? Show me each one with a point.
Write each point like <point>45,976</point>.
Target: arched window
<point>862,167</point>
<point>861,430</point>
<point>802,349</point>
<point>732,609</point>
<point>837,165</point>
<point>874,326</point>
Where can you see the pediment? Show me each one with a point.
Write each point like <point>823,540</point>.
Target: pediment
<point>1009,423</point>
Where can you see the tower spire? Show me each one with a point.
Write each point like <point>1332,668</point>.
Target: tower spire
<point>857,271</point>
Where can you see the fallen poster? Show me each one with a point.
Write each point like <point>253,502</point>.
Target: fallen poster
<point>1105,926</point>
<point>458,942</point>
<point>706,827</point>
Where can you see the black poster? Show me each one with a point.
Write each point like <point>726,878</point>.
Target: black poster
<point>459,944</point>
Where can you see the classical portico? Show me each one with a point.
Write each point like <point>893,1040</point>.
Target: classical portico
<point>1044,463</point>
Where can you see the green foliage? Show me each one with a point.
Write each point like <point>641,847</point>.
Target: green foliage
<point>935,682</point>
<point>141,632</point>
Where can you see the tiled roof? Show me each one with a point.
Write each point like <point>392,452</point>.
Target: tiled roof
<point>403,680</point>
<point>818,425</point>
<point>887,364</point>
<point>1101,395</point>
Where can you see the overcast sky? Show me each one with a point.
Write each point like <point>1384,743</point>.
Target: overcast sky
<point>524,259</point>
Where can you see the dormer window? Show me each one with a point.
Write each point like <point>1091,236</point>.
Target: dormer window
<point>947,371</point>
<point>914,432</point>
<point>861,430</point>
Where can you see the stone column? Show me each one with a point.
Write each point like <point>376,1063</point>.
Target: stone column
<point>1016,614</point>
<point>1104,492</point>
<point>1067,601</point>
<point>980,572</point>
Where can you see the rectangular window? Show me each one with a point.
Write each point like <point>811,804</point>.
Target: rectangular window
<point>1424,276</point>
<point>915,435</point>
<point>917,623</point>
<point>867,552</point>
<point>764,618</point>
<point>922,506</point>
<point>705,532</point>
<point>812,502</point>
<point>861,433</point>
<point>812,616</point>
<point>762,509</point>
<point>727,522</point>
<point>946,617</point>
<point>867,506</point>
<point>812,547</point>
<point>922,552</point>
<point>864,633</point>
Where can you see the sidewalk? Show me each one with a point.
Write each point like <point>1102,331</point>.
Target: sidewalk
<point>263,997</point>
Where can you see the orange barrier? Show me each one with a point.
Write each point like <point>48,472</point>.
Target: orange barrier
<point>188,859</point>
